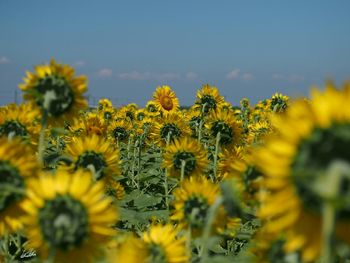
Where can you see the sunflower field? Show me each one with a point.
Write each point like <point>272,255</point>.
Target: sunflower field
<point>212,182</point>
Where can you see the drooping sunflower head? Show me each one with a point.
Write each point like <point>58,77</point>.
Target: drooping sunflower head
<point>208,99</point>
<point>170,127</point>
<point>17,164</point>
<point>310,138</point>
<point>95,154</point>
<point>90,123</point>
<point>231,163</point>
<point>160,244</point>
<point>163,245</point>
<point>165,99</point>
<point>120,130</point>
<point>223,123</point>
<point>192,202</point>
<point>104,104</point>
<point>56,90</point>
<point>68,216</point>
<point>278,102</point>
<point>127,112</point>
<point>151,108</point>
<point>20,121</point>
<point>187,154</point>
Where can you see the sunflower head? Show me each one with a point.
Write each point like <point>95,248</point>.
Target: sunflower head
<point>208,99</point>
<point>120,130</point>
<point>296,160</point>
<point>17,165</point>
<point>20,121</point>
<point>278,102</point>
<point>68,214</point>
<point>172,126</point>
<point>56,90</point>
<point>224,123</point>
<point>165,99</point>
<point>188,153</point>
<point>192,202</point>
<point>95,154</point>
<point>104,104</point>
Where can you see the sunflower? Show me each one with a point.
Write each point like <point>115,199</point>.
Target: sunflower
<point>20,121</point>
<point>96,154</point>
<point>225,123</point>
<point>187,152</point>
<point>68,217</point>
<point>120,130</point>
<point>17,164</point>
<point>165,100</point>
<point>159,244</point>
<point>104,104</point>
<point>170,127</point>
<point>90,123</point>
<point>208,99</point>
<point>151,108</point>
<point>56,90</point>
<point>231,163</point>
<point>127,112</point>
<point>278,102</point>
<point>310,136</point>
<point>192,203</point>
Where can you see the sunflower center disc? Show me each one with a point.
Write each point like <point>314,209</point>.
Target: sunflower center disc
<point>196,210</point>
<point>226,134</point>
<point>315,154</point>
<point>120,133</point>
<point>10,181</point>
<point>64,222</point>
<point>92,158</point>
<point>13,127</point>
<point>210,103</point>
<point>189,158</point>
<point>167,103</point>
<point>60,93</point>
<point>156,254</point>
<point>172,129</point>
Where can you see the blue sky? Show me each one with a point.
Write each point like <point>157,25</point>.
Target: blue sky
<point>127,48</point>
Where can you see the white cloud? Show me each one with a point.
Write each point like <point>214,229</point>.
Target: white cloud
<point>248,76</point>
<point>191,75</point>
<point>135,75</point>
<point>80,63</point>
<point>290,77</point>
<point>105,73</point>
<point>4,60</point>
<point>233,74</point>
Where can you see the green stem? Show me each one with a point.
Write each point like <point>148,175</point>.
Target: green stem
<point>41,146</point>
<point>133,165</point>
<point>336,172</point>
<point>183,165</point>
<point>217,144</point>
<point>206,232</point>
<point>201,122</point>
<point>166,186</point>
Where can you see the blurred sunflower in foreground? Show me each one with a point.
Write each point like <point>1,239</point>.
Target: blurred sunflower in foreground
<point>54,88</point>
<point>159,244</point>
<point>17,164</point>
<point>20,121</point>
<point>296,161</point>
<point>68,217</point>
